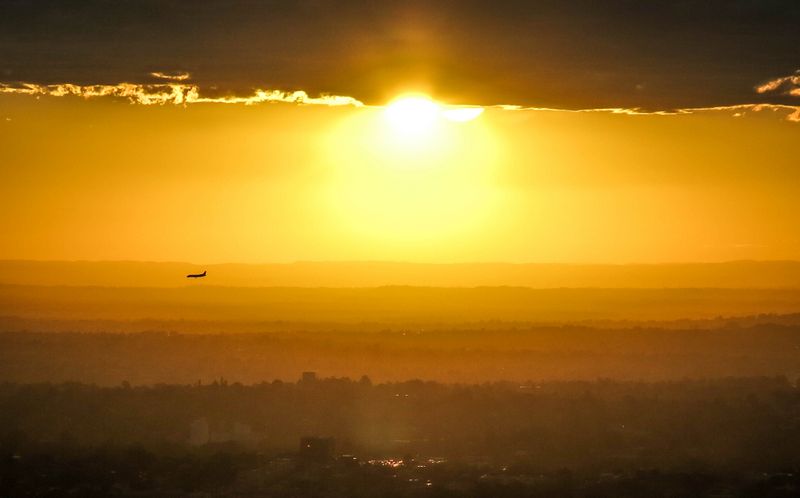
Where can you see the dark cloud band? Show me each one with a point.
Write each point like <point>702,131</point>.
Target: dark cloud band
<point>569,54</point>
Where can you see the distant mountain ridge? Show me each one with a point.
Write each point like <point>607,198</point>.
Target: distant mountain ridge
<point>736,274</point>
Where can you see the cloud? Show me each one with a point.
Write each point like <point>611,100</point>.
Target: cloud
<point>792,111</point>
<point>173,93</point>
<point>357,47</point>
<point>785,85</point>
<point>171,77</point>
<point>633,111</point>
<point>739,110</point>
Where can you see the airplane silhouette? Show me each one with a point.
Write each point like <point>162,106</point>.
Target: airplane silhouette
<point>197,275</point>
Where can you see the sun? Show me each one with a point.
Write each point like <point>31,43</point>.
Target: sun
<point>416,116</point>
<point>412,174</point>
<point>413,115</point>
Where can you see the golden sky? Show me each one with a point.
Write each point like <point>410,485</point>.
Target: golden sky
<point>105,179</point>
<point>244,131</point>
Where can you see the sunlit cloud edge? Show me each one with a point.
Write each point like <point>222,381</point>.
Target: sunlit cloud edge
<point>176,91</point>
<point>176,76</point>
<point>173,92</point>
<point>738,110</point>
<point>785,85</point>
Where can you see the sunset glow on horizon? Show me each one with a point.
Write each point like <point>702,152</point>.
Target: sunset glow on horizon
<point>280,182</point>
<point>445,151</point>
<point>314,248</point>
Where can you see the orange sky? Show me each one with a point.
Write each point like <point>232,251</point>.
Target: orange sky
<point>108,180</point>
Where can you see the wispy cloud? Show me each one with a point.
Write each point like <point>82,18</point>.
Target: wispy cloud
<point>179,76</point>
<point>739,110</point>
<point>786,85</point>
<point>792,112</point>
<point>173,92</point>
<point>176,90</point>
<point>632,111</point>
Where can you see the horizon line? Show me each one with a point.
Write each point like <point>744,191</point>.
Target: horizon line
<point>404,262</point>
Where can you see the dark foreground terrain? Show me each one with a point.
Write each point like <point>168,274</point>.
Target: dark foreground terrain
<point>725,437</point>
<point>157,388</point>
<point>133,472</point>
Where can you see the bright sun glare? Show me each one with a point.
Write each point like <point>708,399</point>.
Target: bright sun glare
<point>415,115</point>
<point>413,173</point>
